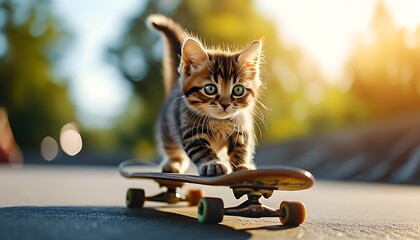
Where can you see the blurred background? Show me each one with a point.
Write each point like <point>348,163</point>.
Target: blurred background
<point>81,82</point>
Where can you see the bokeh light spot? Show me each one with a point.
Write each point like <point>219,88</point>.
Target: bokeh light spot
<point>70,139</point>
<point>49,148</point>
<point>134,63</point>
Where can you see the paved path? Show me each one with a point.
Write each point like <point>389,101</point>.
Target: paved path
<point>88,203</point>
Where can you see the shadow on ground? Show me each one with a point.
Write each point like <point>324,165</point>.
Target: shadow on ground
<point>106,223</point>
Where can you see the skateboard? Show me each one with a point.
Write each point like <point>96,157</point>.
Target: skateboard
<point>252,183</point>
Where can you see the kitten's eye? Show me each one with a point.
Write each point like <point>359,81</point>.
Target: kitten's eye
<point>210,89</point>
<point>238,90</point>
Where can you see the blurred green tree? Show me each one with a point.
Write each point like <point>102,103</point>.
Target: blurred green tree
<point>36,101</point>
<point>386,69</point>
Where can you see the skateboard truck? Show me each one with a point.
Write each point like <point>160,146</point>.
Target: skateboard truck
<point>171,196</point>
<point>135,198</point>
<point>252,207</point>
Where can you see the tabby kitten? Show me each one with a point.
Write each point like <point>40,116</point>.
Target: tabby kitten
<point>208,115</point>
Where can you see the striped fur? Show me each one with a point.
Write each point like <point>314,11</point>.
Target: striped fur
<point>214,131</point>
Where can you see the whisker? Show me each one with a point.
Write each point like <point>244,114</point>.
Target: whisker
<point>261,119</point>
<point>194,114</point>
<point>258,126</point>
<point>185,112</point>
<point>263,105</point>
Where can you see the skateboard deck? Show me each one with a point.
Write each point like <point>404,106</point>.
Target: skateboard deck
<point>277,178</point>
<point>253,183</point>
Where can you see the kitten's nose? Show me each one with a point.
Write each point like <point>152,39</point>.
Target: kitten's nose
<point>224,106</point>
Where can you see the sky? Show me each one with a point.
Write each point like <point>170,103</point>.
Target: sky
<point>96,86</point>
<point>324,29</point>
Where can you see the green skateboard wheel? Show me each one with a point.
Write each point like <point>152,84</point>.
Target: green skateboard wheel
<point>210,210</point>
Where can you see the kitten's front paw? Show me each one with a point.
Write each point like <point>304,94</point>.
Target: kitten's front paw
<point>214,168</point>
<point>171,167</point>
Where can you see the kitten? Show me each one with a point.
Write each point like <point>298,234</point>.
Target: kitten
<point>208,114</point>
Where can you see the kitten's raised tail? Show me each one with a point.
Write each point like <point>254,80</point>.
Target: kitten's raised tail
<point>174,36</point>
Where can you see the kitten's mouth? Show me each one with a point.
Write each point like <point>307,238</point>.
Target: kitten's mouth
<point>221,114</point>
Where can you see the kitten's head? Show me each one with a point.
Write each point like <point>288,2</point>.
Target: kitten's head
<point>217,83</point>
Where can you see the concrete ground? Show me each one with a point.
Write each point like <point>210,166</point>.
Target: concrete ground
<point>88,203</point>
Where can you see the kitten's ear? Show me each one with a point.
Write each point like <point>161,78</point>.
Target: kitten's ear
<point>193,54</point>
<point>251,56</point>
